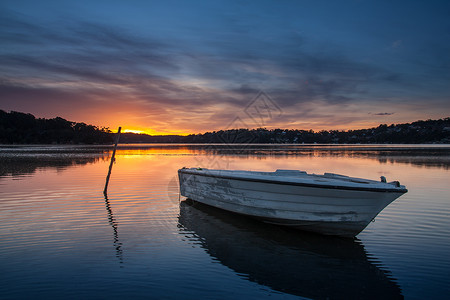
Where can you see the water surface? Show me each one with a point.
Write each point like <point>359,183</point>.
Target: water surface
<point>61,238</point>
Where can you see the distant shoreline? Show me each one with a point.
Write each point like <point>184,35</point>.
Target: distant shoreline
<point>53,147</point>
<point>25,129</point>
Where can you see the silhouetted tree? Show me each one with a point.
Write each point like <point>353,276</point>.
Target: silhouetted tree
<point>21,128</point>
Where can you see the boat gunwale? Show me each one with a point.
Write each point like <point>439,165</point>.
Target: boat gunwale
<point>280,182</point>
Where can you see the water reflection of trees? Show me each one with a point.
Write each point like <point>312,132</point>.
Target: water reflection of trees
<point>19,165</point>
<point>424,157</point>
<point>432,156</point>
<point>292,262</point>
<point>25,159</point>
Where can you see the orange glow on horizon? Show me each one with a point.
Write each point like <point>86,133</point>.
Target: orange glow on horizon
<point>312,126</point>
<point>133,131</point>
<point>151,132</point>
<point>179,123</point>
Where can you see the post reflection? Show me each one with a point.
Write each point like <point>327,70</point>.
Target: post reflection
<point>115,225</point>
<point>289,261</point>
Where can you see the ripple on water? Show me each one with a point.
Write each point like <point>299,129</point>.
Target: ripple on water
<point>59,236</point>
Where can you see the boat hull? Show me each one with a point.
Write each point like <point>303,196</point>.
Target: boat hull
<point>331,211</point>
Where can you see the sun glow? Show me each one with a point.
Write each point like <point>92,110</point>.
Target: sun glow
<point>134,131</point>
<point>153,132</point>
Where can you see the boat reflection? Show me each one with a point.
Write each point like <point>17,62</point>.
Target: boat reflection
<point>285,260</point>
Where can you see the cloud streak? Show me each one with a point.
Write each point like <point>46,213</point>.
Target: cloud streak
<point>383,114</point>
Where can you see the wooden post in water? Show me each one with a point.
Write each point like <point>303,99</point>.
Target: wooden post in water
<point>105,191</point>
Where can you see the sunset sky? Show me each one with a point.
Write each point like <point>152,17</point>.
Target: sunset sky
<point>181,67</point>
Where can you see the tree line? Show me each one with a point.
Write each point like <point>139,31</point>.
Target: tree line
<point>420,132</point>
<point>23,128</point>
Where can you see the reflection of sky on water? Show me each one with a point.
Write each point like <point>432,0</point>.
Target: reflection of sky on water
<point>420,155</point>
<point>56,213</point>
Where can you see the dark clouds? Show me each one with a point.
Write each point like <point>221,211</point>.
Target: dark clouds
<point>383,114</point>
<point>215,69</point>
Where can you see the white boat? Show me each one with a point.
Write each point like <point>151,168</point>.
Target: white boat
<point>329,204</point>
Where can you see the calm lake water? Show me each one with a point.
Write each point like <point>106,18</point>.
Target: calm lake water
<point>61,238</point>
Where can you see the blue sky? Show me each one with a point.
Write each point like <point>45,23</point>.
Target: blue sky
<point>194,66</point>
